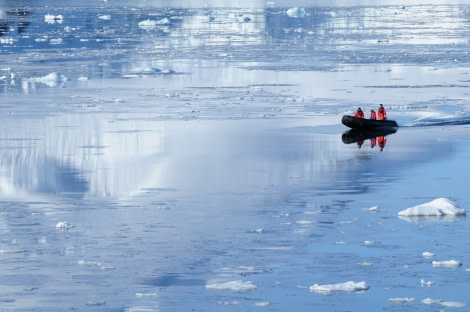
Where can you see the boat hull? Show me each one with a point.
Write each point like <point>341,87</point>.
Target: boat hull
<point>362,123</point>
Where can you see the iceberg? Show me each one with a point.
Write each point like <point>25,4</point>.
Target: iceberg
<point>437,208</point>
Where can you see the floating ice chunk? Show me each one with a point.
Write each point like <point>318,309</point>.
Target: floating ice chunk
<point>447,304</point>
<point>295,12</point>
<point>95,264</point>
<point>262,304</point>
<point>63,225</point>
<point>365,264</point>
<point>227,303</point>
<point>163,21</point>
<point>428,283</point>
<point>436,208</point>
<point>51,19</point>
<point>431,301</point>
<point>145,294</point>
<point>50,79</point>
<point>340,287</point>
<point>147,24</point>
<point>401,300</point>
<point>371,209</point>
<point>105,17</point>
<point>453,304</point>
<point>305,222</point>
<point>428,255</point>
<point>56,41</point>
<point>7,40</point>
<point>234,286</point>
<point>446,264</point>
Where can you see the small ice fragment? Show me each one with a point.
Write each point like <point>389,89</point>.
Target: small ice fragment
<point>431,301</point>
<point>82,78</point>
<point>453,304</point>
<point>365,263</point>
<point>340,287</point>
<point>234,286</point>
<point>147,24</point>
<point>6,40</point>
<point>401,300</point>
<point>50,79</point>
<point>105,17</point>
<point>51,19</point>
<point>48,18</point>
<point>227,303</point>
<point>145,294</point>
<point>63,225</point>
<point>368,242</point>
<point>428,255</point>
<point>164,21</point>
<point>295,12</point>
<point>262,303</point>
<point>305,222</point>
<point>340,243</point>
<point>371,209</point>
<point>56,41</point>
<point>446,264</point>
<point>436,208</point>
<point>257,231</point>
<point>446,304</point>
<point>429,283</point>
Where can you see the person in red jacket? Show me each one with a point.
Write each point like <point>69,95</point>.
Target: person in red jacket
<point>381,112</point>
<point>359,113</point>
<point>373,115</point>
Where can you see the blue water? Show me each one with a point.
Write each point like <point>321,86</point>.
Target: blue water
<point>198,158</point>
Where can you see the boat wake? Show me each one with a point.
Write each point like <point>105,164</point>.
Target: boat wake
<point>463,119</point>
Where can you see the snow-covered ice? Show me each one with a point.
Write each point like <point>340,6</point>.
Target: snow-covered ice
<point>349,286</point>
<point>232,285</point>
<point>446,263</point>
<point>436,208</point>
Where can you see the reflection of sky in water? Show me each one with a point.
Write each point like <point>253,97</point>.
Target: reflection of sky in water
<point>81,44</point>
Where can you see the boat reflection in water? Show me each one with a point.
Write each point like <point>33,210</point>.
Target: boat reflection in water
<point>376,136</point>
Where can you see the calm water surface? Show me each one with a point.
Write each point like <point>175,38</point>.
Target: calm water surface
<point>196,153</point>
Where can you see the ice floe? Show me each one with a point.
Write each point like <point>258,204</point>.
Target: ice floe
<point>401,300</point>
<point>350,286</point>
<point>233,286</point>
<point>295,12</point>
<point>63,225</point>
<point>95,264</point>
<point>105,17</point>
<point>437,208</point>
<point>428,283</point>
<point>50,80</point>
<point>149,24</point>
<point>371,209</point>
<point>428,255</point>
<point>446,264</point>
<point>51,19</point>
<point>447,304</point>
